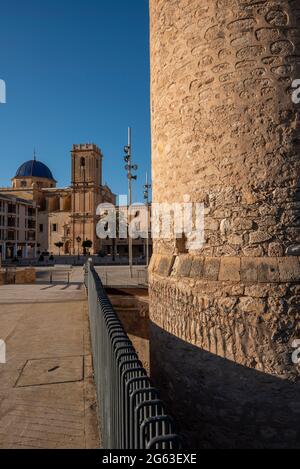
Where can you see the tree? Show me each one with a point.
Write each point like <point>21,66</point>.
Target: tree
<point>59,246</point>
<point>87,244</point>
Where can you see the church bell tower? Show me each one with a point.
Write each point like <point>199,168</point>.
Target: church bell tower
<point>86,195</point>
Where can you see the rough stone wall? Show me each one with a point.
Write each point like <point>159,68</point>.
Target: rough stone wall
<point>225,129</point>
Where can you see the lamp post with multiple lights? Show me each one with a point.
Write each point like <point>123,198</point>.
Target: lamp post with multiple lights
<point>129,168</point>
<point>83,170</point>
<point>78,239</point>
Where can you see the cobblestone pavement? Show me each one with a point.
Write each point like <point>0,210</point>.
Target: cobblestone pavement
<point>47,394</point>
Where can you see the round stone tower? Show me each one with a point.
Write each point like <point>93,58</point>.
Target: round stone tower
<point>226,132</point>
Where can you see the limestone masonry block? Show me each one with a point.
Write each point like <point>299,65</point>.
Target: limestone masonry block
<point>165,265</point>
<point>182,266</point>
<point>211,268</point>
<point>197,268</point>
<point>289,269</point>
<point>268,270</point>
<point>249,269</point>
<point>230,269</point>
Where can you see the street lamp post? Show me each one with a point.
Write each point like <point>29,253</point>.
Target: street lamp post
<point>83,169</point>
<point>129,168</point>
<point>147,187</point>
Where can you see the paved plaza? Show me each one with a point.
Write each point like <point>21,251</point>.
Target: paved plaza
<point>47,394</point>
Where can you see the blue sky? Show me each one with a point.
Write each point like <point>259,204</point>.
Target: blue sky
<point>76,71</point>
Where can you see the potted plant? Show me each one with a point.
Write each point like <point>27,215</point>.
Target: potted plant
<point>59,245</point>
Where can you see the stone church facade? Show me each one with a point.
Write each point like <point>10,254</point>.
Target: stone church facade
<point>63,214</point>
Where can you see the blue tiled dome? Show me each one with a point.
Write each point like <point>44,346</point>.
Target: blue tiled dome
<point>36,169</point>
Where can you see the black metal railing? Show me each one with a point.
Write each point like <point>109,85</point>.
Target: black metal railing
<point>131,414</point>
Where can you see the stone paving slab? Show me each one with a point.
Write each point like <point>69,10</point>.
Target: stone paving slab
<point>16,294</point>
<point>51,371</point>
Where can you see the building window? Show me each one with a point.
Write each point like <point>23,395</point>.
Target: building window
<point>54,227</point>
<point>23,184</point>
<point>41,228</point>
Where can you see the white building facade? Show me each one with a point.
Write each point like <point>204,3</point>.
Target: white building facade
<point>18,227</point>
